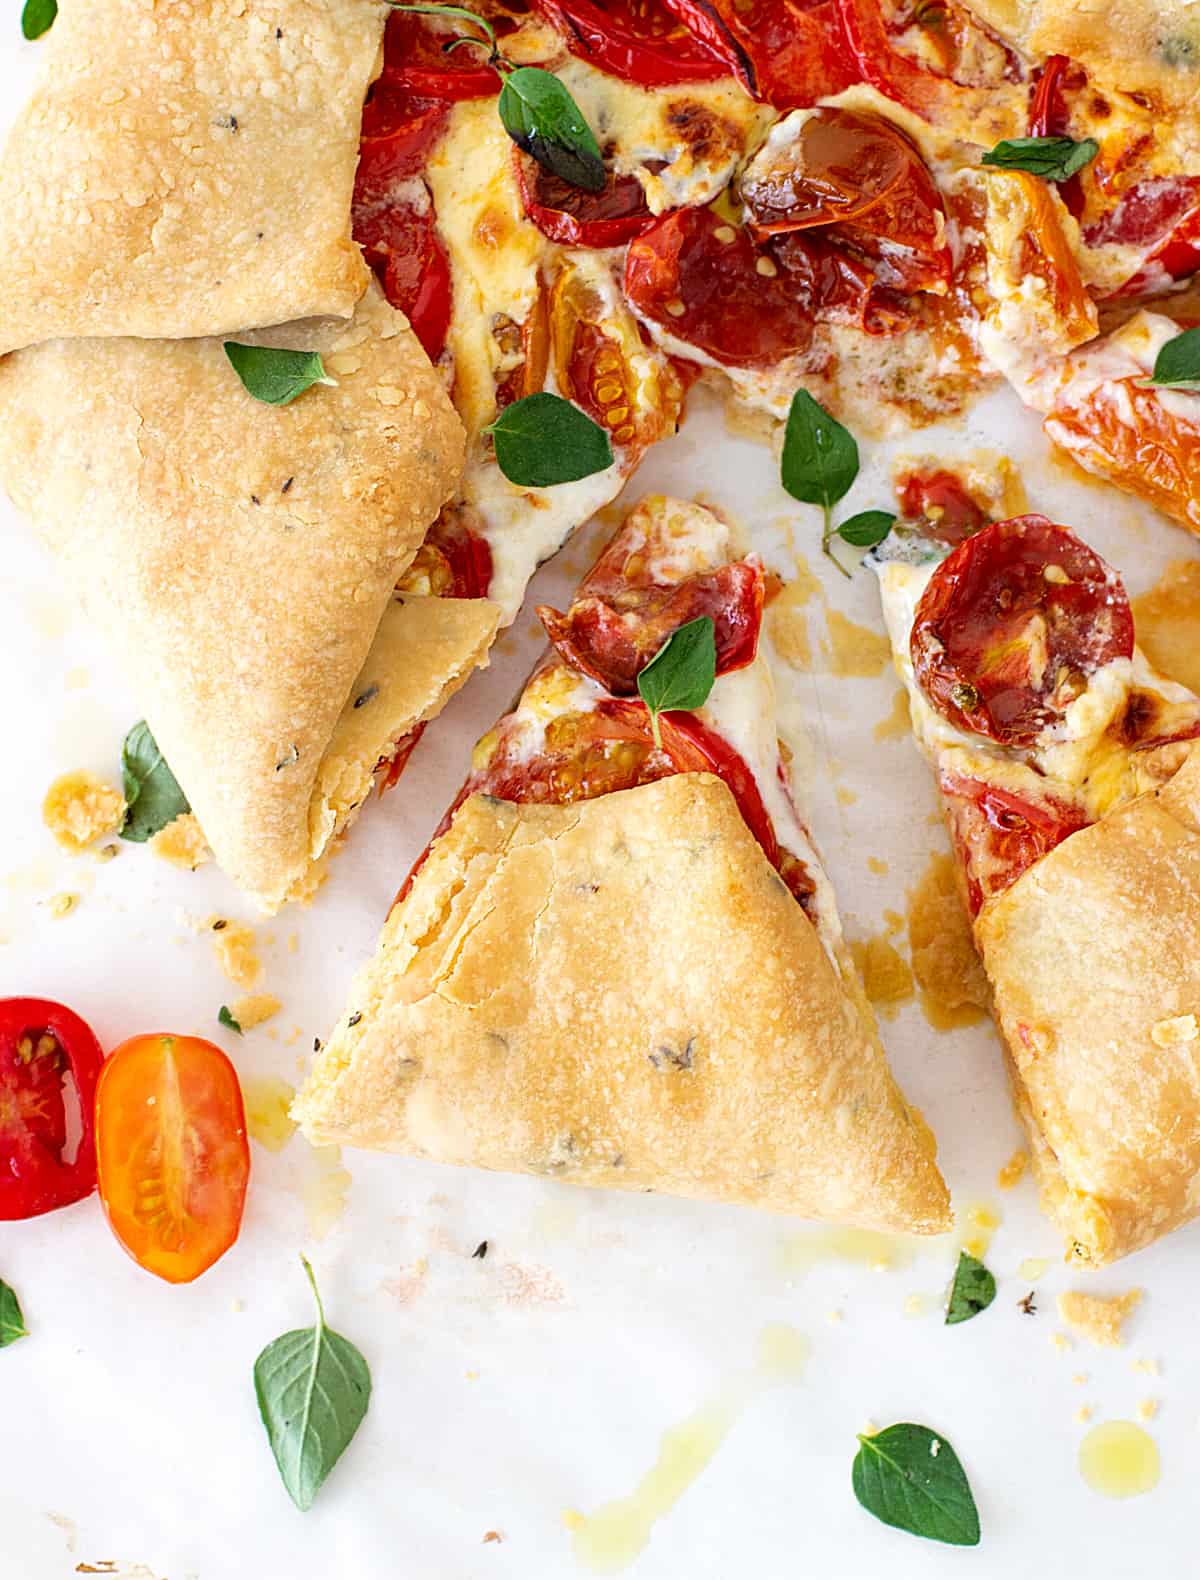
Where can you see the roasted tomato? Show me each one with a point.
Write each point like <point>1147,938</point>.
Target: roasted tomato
<point>454,561</point>
<point>636,40</point>
<point>613,637</point>
<point>998,834</point>
<point>1049,116</point>
<point>172,1153</point>
<point>49,1062</point>
<point>399,238</point>
<point>940,499</point>
<point>575,218</point>
<point>789,53</point>
<point>859,178</point>
<point>415,60</point>
<point>1161,218</point>
<point>399,133</point>
<point>1044,253</point>
<point>1012,625</point>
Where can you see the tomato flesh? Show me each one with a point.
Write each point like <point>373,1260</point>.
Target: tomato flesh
<point>400,241</point>
<point>789,53</point>
<point>1161,217</point>
<point>636,40</point>
<point>998,835</point>
<point>172,1153</point>
<point>1012,624</point>
<point>873,29</point>
<point>43,1046</point>
<point>415,61</point>
<point>575,218</point>
<point>940,501</point>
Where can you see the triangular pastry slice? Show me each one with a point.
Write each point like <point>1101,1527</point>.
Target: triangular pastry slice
<point>1069,772</point>
<point>621,963</point>
<point>241,558</point>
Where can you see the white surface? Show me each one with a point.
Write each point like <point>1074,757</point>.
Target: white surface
<point>542,1378</point>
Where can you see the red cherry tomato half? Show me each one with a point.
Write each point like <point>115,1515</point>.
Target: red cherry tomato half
<point>1160,217</point>
<point>941,502</point>
<point>399,133</point>
<point>49,1062</point>
<point>399,238</point>
<point>172,1153</point>
<point>415,60</point>
<point>998,835</point>
<point>973,61</point>
<point>1049,116</point>
<point>613,638</point>
<point>790,53</point>
<point>575,218</point>
<point>636,40</point>
<point>1011,626</point>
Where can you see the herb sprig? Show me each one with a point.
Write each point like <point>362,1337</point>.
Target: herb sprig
<point>972,1291</point>
<point>37,17</point>
<point>543,440</point>
<point>819,464</point>
<point>275,375</point>
<point>682,673</point>
<point>12,1323</point>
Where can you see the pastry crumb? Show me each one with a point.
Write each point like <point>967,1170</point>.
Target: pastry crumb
<point>835,1316</point>
<point>79,807</point>
<point>1175,1030</point>
<point>235,949</point>
<point>1013,1171</point>
<point>181,842</point>
<point>573,1520</point>
<point>1147,1366</point>
<point>1061,1342</point>
<point>1097,1318</point>
<point>877,865</point>
<point>254,1009</point>
<point>1149,1408</point>
<point>61,904</point>
<point>1079,1379</point>
<point>1084,1414</point>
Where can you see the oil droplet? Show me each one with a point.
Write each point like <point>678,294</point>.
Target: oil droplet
<point>866,1247</point>
<point>1168,622</point>
<point>1033,1268</point>
<point>953,987</point>
<point>1119,1459</point>
<point>617,1532</point>
<point>267,1100</point>
<point>896,726</point>
<point>782,1352</point>
<point>979,1223</point>
<point>324,1191</point>
<point>1013,1172</point>
<point>855,650</point>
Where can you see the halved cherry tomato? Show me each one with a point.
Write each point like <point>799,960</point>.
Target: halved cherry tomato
<point>940,500</point>
<point>998,834</point>
<point>789,53</point>
<point>399,133</point>
<point>172,1153</point>
<point>575,218</point>
<point>399,238</point>
<point>636,40</point>
<point>43,1045</point>
<point>1161,217</point>
<point>1044,253</point>
<point>459,561</point>
<point>1049,116</point>
<point>415,60</point>
<point>857,176</point>
<point>613,638</point>
<point>1011,626</point>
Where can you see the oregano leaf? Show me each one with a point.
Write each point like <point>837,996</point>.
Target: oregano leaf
<point>152,794</point>
<point>867,528</point>
<point>972,1291</point>
<point>541,117</point>
<point>12,1323</point>
<point>820,457</point>
<point>910,1477</point>
<point>1177,365</point>
<point>683,671</point>
<point>273,375</point>
<point>543,440</point>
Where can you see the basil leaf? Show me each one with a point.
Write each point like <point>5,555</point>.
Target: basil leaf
<point>544,440</point>
<point>972,1291</point>
<point>38,17</point>
<point>910,1477</point>
<point>225,1016</point>
<point>12,1323</point>
<point>152,794</point>
<point>681,674</point>
<point>867,529</point>
<point>820,457</point>
<point>1052,158</point>
<point>542,118</point>
<point>1177,365</point>
<point>313,1388</point>
<point>273,375</point>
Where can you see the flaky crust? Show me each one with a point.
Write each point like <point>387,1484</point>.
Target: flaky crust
<point>622,992</point>
<point>185,167</point>
<point>238,555</point>
<point>1094,959</point>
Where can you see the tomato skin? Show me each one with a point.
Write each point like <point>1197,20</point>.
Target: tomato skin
<point>997,645</point>
<point>634,41</point>
<point>34,1177</point>
<point>172,1155</point>
<point>414,61</point>
<point>1161,216</point>
<point>998,835</point>
<point>942,503</point>
<point>400,241</point>
<point>788,53</point>
<point>575,218</point>
<point>880,63</point>
<point>399,133</point>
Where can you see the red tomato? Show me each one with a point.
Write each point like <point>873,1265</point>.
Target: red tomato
<point>575,218</point>
<point>399,238</point>
<point>998,835</point>
<point>858,177</point>
<point>398,135</point>
<point>1161,217</point>
<point>1011,626</point>
<point>789,53</point>
<point>1049,116</point>
<point>636,40</point>
<point>172,1153</point>
<point>939,499</point>
<point>415,60</point>
<point>42,1044</point>
<point>613,638</point>
<point>973,61</point>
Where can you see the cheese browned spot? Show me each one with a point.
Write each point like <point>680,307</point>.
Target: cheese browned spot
<point>79,807</point>
<point>1098,1318</point>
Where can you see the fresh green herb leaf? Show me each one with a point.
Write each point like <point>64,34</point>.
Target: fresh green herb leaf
<point>866,529</point>
<point>972,1291</point>
<point>544,440</point>
<point>910,1477</point>
<point>542,118</point>
<point>38,17</point>
<point>820,461</point>
<point>12,1323</point>
<point>313,1388</point>
<point>225,1016</point>
<point>1177,365</point>
<point>682,672</point>
<point>152,794</point>
<point>1052,158</point>
<point>273,375</point>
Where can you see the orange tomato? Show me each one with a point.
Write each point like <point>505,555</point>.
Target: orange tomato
<point>172,1156</point>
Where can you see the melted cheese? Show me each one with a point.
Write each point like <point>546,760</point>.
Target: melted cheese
<point>1100,369</point>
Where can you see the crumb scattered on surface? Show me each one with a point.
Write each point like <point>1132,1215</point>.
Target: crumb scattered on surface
<point>877,865</point>
<point>237,1304</point>
<point>235,949</point>
<point>79,807</point>
<point>254,1009</point>
<point>1013,1171</point>
<point>1028,1304</point>
<point>1061,1342</point>
<point>846,796</point>
<point>62,904</point>
<point>105,853</point>
<point>1079,1379</point>
<point>492,1536</point>
<point>1147,1366</point>
<point>915,1305</point>
<point>573,1520</point>
<point>835,1316</point>
<point>1097,1318</point>
<point>181,842</point>
<point>1149,1408</point>
<point>885,974</point>
<point>1084,1414</point>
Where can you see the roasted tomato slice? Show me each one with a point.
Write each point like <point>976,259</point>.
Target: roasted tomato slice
<point>399,238</point>
<point>858,176</point>
<point>415,61</point>
<point>399,133</point>
<point>789,53</point>
<point>940,499</point>
<point>172,1153</point>
<point>636,40</point>
<point>49,1062</point>
<point>575,218</point>
<point>453,562</point>
<point>1050,116</point>
<point>1161,218</point>
<point>998,835</point>
<point>613,637</point>
<point>1013,624</point>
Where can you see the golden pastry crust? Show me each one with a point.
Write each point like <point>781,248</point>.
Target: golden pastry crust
<point>239,556</point>
<point>623,993</point>
<point>149,186</point>
<point>1094,960</point>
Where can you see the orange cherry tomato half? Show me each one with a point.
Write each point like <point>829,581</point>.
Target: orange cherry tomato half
<point>171,1152</point>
